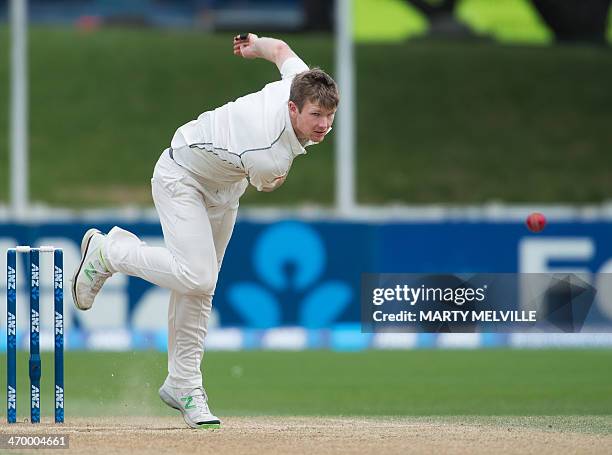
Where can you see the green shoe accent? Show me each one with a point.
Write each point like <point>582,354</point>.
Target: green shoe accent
<point>188,404</point>
<point>90,271</point>
<point>209,426</point>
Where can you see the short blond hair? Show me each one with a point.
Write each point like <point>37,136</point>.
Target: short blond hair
<point>316,86</point>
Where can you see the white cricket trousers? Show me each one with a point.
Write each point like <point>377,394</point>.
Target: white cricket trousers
<point>197,219</point>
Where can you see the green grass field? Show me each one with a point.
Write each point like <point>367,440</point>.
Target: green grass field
<point>437,121</point>
<point>324,383</point>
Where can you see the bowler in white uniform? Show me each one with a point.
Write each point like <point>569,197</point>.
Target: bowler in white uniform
<point>196,186</point>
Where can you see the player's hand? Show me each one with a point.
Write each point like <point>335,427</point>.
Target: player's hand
<point>278,181</point>
<point>244,45</point>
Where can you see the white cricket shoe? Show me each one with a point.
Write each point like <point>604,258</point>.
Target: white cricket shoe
<point>92,271</point>
<point>192,402</point>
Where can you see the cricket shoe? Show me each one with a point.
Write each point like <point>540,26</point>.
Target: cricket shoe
<point>92,271</point>
<point>193,404</point>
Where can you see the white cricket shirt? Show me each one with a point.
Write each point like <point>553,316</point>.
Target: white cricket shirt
<point>250,137</point>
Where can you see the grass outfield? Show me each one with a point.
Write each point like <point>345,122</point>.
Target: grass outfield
<point>438,122</point>
<point>481,383</point>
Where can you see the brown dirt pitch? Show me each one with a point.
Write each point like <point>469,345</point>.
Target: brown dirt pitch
<point>327,435</point>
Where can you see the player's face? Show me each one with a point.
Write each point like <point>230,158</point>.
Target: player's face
<point>312,122</point>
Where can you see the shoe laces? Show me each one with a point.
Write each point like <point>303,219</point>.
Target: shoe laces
<point>200,400</point>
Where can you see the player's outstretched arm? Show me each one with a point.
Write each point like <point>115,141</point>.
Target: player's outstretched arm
<point>274,50</point>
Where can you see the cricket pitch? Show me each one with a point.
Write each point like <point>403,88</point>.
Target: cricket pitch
<point>326,435</point>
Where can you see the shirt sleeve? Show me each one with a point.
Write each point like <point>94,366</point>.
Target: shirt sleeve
<point>293,66</point>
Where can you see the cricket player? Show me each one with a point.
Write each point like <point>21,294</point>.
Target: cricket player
<point>196,185</point>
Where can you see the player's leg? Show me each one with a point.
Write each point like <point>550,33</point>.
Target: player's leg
<point>188,318</point>
<point>188,236</point>
<point>188,315</point>
<point>183,388</point>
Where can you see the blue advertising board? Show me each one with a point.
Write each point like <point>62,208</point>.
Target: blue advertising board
<point>293,273</point>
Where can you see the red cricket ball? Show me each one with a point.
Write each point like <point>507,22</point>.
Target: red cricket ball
<point>536,222</point>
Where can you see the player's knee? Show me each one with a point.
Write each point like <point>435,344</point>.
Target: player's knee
<point>202,281</point>
<point>205,287</point>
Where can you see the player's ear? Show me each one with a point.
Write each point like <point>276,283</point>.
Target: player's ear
<point>293,107</point>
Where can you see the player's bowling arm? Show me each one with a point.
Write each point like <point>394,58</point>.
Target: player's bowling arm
<point>271,49</point>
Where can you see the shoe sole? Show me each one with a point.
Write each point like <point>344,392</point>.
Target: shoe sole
<point>84,247</point>
<point>166,398</point>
